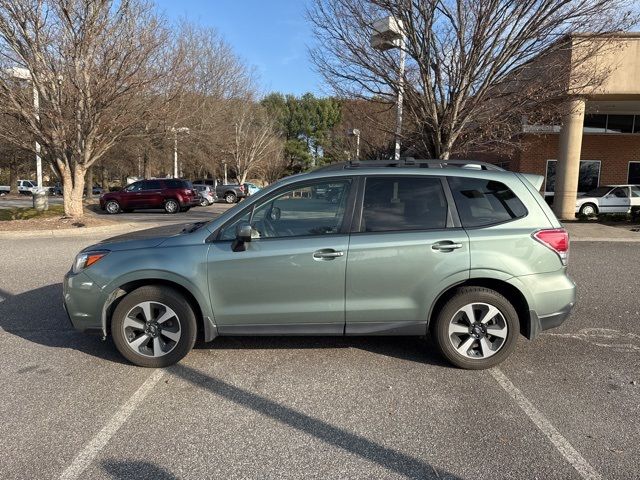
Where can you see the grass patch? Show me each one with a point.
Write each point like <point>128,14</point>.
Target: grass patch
<point>8,214</point>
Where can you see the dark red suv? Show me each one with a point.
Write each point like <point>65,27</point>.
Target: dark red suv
<point>173,195</point>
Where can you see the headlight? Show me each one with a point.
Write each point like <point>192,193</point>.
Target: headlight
<point>86,259</point>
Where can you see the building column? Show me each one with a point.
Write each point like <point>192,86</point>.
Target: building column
<point>568,164</point>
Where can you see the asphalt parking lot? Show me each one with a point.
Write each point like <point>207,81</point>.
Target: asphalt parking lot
<point>564,406</point>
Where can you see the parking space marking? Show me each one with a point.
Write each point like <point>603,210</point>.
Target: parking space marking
<point>563,446</point>
<point>97,443</point>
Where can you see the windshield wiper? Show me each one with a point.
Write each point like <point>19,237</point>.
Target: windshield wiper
<point>194,226</point>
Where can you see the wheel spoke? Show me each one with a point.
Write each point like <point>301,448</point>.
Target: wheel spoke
<point>133,323</point>
<point>458,328</point>
<point>146,311</point>
<point>486,347</point>
<point>490,314</point>
<point>138,342</point>
<point>157,347</point>
<point>175,336</point>
<point>466,345</point>
<point>166,316</point>
<point>497,331</point>
<point>468,311</point>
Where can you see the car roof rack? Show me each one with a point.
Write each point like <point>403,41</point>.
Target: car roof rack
<point>410,162</point>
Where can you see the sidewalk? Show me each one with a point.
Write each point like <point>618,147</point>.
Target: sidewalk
<point>76,232</point>
<point>597,232</point>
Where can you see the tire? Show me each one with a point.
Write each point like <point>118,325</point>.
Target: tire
<point>230,197</point>
<point>157,343</point>
<point>171,206</point>
<point>204,202</point>
<point>588,210</point>
<point>112,207</point>
<point>477,348</point>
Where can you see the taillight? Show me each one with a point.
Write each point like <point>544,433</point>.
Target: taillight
<point>557,239</point>
<point>187,192</point>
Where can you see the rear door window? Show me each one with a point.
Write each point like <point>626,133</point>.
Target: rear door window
<point>396,204</point>
<point>482,202</point>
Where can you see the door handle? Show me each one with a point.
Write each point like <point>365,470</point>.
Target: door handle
<point>446,246</point>
<point>327,254</point>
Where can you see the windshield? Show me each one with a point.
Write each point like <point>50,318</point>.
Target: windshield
<point>598,192</point>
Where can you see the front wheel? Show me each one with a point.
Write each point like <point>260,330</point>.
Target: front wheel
<point>588,210</point>
<point>112,207</point>
<point>477,328</point>
<point>154,326</point>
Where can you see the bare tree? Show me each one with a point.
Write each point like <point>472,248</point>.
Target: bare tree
<point>255,139</point>
<point>469,75</point>
<point>97,65</point>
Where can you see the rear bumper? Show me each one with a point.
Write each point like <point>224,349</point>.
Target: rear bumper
<point>550,297</point>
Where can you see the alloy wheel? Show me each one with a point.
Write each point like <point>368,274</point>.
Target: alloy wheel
<point>151,329</point>
<point>171,206</point>
<point>113,207</point>
<point>478,330</point>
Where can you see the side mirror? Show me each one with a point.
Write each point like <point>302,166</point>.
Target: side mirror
<point>275,214</point>
<point>243,235</point>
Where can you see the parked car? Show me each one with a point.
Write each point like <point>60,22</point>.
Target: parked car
<point>231,193</point>
<point>251,188</point>
<point>609,199</point>
<point>207,194</point>
<point>25,187</point>
<point>173,195</point>
<point>472,257</point>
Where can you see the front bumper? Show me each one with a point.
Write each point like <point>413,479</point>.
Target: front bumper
<point>82,300</point>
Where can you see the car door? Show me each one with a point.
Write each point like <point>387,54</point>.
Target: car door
<point>150,196</point>
<point>404,252</point>
<point>130,196</point>
<point>290,279</point>
<point>616,201</point>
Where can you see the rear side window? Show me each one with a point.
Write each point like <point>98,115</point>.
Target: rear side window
<point>394,204</point>
<point>178,184</point>
<point>485,202</point>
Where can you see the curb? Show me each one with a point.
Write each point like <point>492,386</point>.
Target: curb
<point>76,232</point>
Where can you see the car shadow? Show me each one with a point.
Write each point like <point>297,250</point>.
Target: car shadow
<point>38,316</point>
<point>389,458</point>
<point>127,469</point>
<point>413,349</point>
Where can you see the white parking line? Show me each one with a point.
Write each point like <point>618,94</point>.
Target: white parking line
<point>97,443</point>
<point>563,446</point>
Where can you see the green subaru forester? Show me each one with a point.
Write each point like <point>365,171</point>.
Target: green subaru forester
<point>462,251</point>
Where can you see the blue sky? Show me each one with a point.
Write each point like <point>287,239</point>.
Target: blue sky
<point>271,35</point>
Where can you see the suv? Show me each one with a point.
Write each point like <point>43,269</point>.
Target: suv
<point>472,257</point>
<point>173,195</point>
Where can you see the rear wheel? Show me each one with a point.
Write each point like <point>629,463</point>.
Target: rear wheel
<point>230,197</point>
<point>171,206</point>
<point>154,326</point>
<point>477,328</point>
<point>112,207</point>
<point>204,202</point>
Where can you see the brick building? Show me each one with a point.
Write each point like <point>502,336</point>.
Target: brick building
<point>598,140</point>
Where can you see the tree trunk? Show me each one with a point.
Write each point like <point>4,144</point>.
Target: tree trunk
<point>89,183</point>
<point>73,188</point>
<point>146,165</point>
<point>13,177</point>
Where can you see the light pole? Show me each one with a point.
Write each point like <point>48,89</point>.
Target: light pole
<point>389,34</point>
<point>356,133</point>
<point>25,74</point>
<point>176,131</point>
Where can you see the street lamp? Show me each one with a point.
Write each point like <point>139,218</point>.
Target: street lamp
<point>355,133</point>
<point>176,131</point>
<point>25,74</point>
<point>389,34</point>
